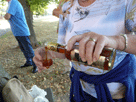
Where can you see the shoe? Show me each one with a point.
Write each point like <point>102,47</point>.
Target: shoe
<point>25,65</point>
<point>35,69</point>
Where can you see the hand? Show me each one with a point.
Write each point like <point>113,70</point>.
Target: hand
<point>90,45</point>
<point>40,57</point>
<point>56,12</point>
<point>7,16</point>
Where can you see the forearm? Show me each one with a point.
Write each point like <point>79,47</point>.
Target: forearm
<point>131,46</point>
<point>118,42</point>
<point>57,55</point>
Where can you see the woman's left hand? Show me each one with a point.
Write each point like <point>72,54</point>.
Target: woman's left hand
<point>90,45</point>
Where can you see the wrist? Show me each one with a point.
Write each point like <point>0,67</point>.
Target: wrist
<point>120,42</point>
<point>113,42</point>
<point>125,42</point>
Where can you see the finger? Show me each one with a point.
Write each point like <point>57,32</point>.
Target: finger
<point>37,62</point>
<point>41,68</point>
<point>98,49</point>
<point>72,41</point>
<point>37,54</point>
<point>90,46</point>
<point>51,55</point>
<point>82,48</point>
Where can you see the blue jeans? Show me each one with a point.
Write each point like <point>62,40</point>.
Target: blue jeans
<point>26,48</point>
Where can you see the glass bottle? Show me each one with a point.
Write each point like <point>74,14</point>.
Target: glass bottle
<point>105,61</point>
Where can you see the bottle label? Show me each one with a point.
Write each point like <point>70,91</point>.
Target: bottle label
<point>98,64</point>
<point>101,63</point>
<point>52,46</point>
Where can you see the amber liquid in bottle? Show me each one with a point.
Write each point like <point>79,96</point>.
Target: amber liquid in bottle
<point>47,62</point>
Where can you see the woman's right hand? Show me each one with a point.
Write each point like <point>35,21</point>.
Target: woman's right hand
<point>91,45</point>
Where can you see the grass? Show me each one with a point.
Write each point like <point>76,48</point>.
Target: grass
<point>5,36</point>
<point>11,58</point>
<point>45,29</point>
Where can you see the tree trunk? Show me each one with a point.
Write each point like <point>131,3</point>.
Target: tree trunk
<point>29,19</point>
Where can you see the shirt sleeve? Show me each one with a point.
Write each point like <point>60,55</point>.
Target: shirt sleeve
<point>62,25</point>
<point>12,7</point>
<point>131,15</point>
<point>61,31</point>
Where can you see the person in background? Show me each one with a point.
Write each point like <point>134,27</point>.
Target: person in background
<point>16,17</point>
<point>94,25</point>
<point>56,12</point>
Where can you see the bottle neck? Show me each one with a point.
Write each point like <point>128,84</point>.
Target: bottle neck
<point>61,49</point>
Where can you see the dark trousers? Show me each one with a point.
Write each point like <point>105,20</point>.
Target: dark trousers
<point>26,48</point>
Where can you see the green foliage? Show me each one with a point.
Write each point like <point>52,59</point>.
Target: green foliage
<point>2,2</point>
<point>56,1</point>
<point>38,6</point>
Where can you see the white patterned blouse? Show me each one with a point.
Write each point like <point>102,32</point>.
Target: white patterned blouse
<point>105,17</point>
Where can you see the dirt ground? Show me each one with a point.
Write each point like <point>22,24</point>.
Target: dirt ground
<point>11,58</point>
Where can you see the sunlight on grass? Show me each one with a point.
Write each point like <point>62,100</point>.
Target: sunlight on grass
<point>47,19</point>
<point>46,29</point>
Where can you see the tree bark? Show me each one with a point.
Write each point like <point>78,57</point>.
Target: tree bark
<point>29,19</point>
